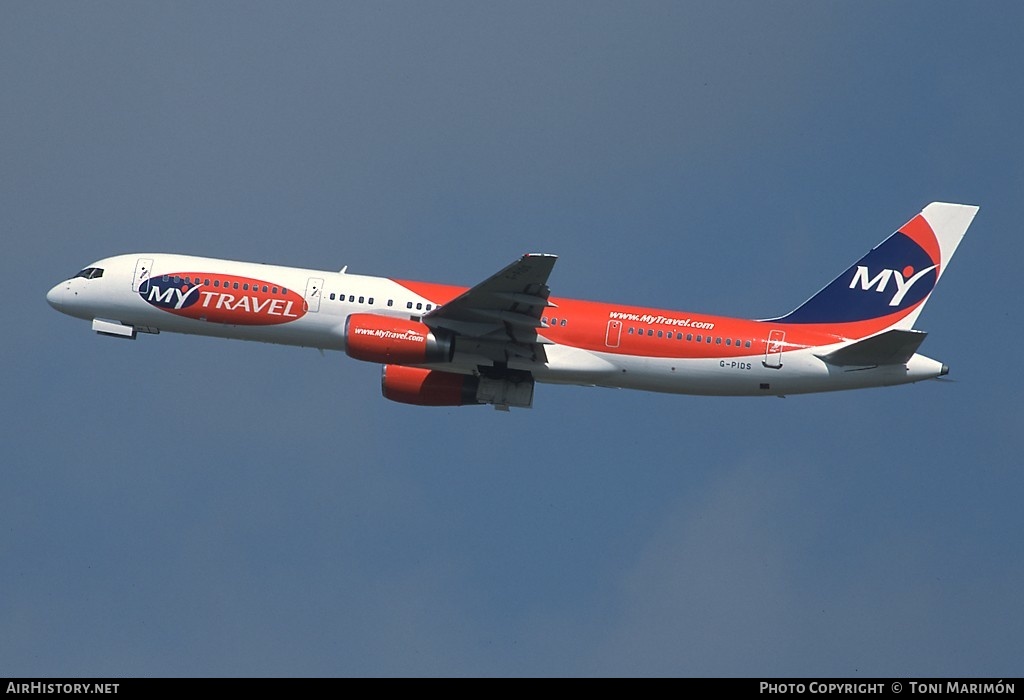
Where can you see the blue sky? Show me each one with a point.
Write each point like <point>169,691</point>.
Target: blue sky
<point>191,506</point>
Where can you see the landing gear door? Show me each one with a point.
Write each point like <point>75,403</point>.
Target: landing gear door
<point>313,293</point>
<point>143,270</point>
<point>773,349</point>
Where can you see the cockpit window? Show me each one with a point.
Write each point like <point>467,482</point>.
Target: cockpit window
<point>91,273</point>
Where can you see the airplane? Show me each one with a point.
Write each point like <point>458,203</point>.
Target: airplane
<point>443,345</point>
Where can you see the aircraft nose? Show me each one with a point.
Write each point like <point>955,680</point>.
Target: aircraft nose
<point>55,297</point>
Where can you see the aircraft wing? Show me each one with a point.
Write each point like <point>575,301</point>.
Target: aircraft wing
<point>502,313</point>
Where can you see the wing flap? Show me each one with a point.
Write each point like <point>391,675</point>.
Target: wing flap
<point>505,316</point>
<point>525,299</point>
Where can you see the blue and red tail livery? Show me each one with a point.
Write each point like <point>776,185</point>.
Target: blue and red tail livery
<point>893,281</point>
<point>445,345</point>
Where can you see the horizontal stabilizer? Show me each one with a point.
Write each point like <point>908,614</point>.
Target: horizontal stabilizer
<point>894,347</point>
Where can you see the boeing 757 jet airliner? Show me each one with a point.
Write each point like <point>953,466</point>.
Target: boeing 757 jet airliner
<point>451,346</point>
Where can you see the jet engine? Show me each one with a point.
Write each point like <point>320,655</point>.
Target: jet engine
<point>431,387</point>
<point>393,340</point>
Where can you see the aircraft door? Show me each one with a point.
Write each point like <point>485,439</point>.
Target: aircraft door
<point>773,349</point>
<point>313,288</point>
<point>613,334</point>
<point>143,270</point>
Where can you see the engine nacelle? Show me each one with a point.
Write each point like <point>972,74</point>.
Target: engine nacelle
<point>427,387</point>
<point>394,341</point>
<point>431,387</point>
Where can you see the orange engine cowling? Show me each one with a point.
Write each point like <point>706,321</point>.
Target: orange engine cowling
<point>394,341</point>
<point>428,387</point>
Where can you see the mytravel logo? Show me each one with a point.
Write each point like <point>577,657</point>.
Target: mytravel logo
<point>407,335</point>
<point>903,280</point>
<point>240,301</point>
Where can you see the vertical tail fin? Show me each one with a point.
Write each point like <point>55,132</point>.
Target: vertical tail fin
<point>889,286</point>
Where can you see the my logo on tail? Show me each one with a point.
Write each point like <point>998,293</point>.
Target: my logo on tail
<point>904,280</point>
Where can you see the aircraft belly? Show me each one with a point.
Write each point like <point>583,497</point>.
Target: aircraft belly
<point>801,372</point>
<point>569,365</point>
<point>737,376</point>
